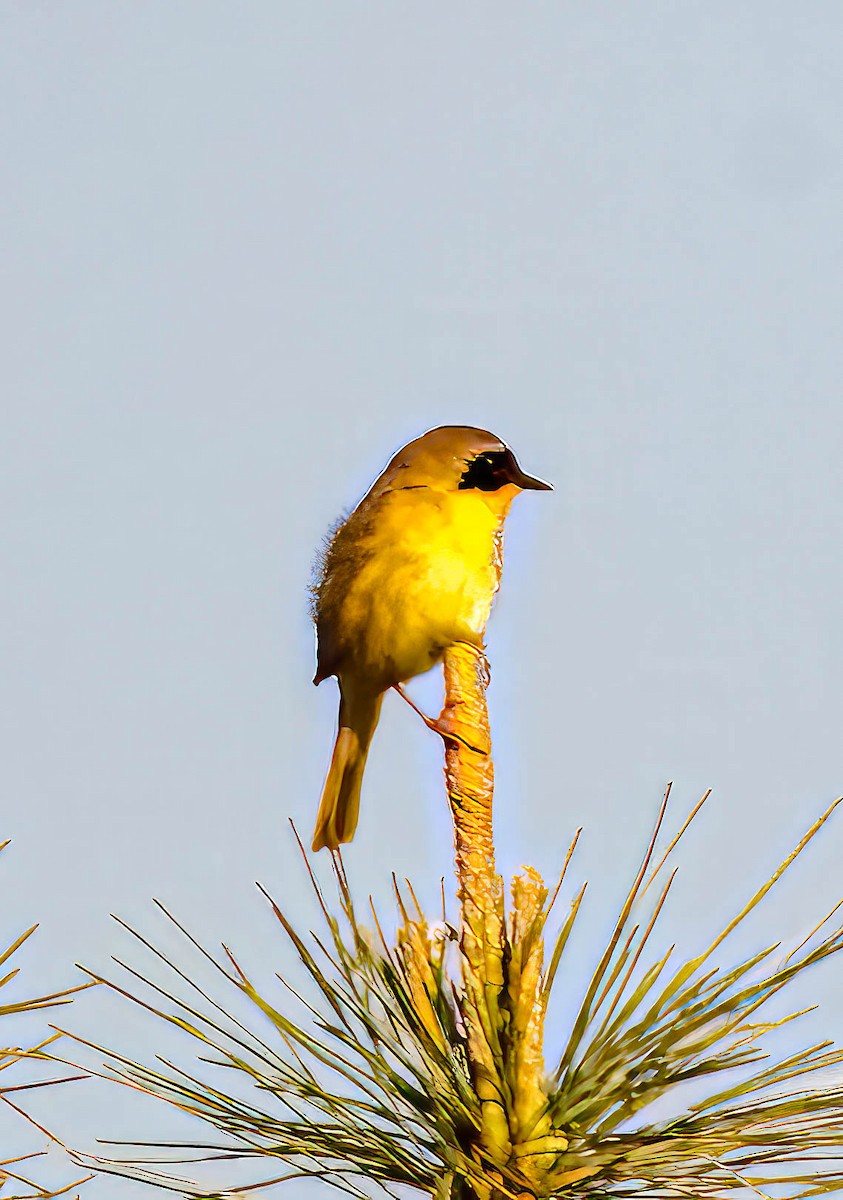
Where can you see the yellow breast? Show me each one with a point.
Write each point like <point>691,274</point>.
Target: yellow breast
<point>428,568</point>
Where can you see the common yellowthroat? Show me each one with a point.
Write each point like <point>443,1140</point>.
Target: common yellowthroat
<point>413,570</point>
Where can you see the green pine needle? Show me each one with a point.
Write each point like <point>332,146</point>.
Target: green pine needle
<point>373,1086</point>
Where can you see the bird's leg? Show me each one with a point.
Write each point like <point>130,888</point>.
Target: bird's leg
<point>437,726</point>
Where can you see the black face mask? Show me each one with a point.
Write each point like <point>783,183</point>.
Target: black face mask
<point>490,471</point>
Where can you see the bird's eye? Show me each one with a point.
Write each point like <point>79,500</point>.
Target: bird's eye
<point>486,472</point>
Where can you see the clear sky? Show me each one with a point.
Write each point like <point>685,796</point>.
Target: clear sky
<point>249,250</point>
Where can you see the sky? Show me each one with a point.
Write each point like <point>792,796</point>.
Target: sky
<point>248,252</point>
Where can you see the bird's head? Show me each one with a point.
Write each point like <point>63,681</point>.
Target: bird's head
<point>456,458</point>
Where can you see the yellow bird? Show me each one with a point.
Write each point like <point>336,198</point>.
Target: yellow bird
<point>413,570</point>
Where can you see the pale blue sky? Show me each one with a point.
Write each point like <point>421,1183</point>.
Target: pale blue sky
<point>249,250</point>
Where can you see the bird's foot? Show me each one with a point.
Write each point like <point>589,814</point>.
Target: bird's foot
<point>482,660</point>
<point>445,730</point>
<point>442,726</point>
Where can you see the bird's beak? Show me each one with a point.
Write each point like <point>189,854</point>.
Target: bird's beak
<point>530,484</point>
<point>527,483</point>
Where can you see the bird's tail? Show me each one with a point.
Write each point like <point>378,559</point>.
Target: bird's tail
<point>340,804</point>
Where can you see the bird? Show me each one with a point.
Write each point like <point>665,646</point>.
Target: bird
<point>411,571</point>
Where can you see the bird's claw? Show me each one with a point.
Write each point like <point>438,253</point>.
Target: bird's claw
<point>440,726</point>
<point>443,728</point>
<point>482,660</point>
